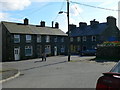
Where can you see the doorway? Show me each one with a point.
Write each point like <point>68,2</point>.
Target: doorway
<point>17,53</point>
<point>55,50</point>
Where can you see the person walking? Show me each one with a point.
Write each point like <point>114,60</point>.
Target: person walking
<point>43,56</point>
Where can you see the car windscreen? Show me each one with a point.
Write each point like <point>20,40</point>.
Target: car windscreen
<point>116,69</point>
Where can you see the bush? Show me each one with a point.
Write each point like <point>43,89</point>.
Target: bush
<point>113,43</point>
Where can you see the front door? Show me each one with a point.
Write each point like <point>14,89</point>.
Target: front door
<point>55,50</point>
<point>17,53</point>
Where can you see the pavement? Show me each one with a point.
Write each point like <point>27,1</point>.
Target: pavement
<point>7,73</point>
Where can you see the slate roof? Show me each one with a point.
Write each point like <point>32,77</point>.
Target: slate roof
<point>88,30</point>
<point>32,29</point>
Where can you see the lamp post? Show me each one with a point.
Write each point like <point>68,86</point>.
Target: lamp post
<point>68,29</point>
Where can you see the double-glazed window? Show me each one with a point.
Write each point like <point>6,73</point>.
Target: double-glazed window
<point>55,39</point>
<point>38,38</point>
<point>84,38</point>
<point>16,38</point>
<point>47,49</point>
<point>78,39</point>
<point>62,39</point>
<point>28,51</point>
<point>71,39</point>
<point>47,38</point>
<point>28,38</point>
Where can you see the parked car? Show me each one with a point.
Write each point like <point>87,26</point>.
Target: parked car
<point>110,80</point>
<point>88,52</point>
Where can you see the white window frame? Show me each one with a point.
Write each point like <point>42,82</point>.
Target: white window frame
<point>38,38</point>
<point>47,38</point>
<point>71,39</point>
<point>16,37</point>
<point>78,39</point>
<point>28,38</point>
<point>62,39</point>
<point>55,39</point>
<point>29,47</point>
<point>93,38</point>
<point>84,38</point>
<point>47,49</point>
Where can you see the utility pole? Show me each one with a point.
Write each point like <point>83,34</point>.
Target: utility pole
<point>69,51</point>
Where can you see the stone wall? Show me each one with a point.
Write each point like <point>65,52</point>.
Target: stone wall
<point>108,52</point>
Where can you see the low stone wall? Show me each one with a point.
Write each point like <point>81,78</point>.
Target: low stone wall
<point>108,52</point>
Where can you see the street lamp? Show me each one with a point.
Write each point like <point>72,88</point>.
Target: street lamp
<point>68,28</point>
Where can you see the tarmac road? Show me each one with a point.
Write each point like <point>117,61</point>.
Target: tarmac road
<point>56,72</point>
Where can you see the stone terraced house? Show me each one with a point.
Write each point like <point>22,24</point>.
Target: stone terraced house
<point>86,37</point>
<point>24,41</point>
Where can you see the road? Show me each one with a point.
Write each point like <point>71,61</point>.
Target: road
<point>57,73</point>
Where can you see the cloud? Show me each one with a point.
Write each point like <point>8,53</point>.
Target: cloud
<point>75,10</point>
<point>4,16</point>
<point>7,17</point>
<point>11,5</point>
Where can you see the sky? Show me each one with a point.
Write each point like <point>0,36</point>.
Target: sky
<point>47,10</point>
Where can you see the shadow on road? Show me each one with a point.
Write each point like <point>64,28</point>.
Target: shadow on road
<point>103,60</point>
<point>43,65</point>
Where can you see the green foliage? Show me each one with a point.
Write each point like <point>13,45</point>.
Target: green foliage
<point>113,43</point>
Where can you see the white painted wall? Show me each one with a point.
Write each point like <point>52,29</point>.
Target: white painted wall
<point>0,42</point>
<point>119,15</point>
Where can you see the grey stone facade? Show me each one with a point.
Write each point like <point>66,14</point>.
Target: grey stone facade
<point>24,41</point>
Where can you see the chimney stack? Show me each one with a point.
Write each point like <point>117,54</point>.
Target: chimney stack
<point>56,25</point>
<point>52,24</point>
<point>72,26</point>
<point>82,24</point>
<point>111,21</point>
<point>94,23</point>
<point>42,23</point>
<point>26,21</point>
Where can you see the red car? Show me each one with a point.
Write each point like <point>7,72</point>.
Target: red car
<point>110,80</point>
